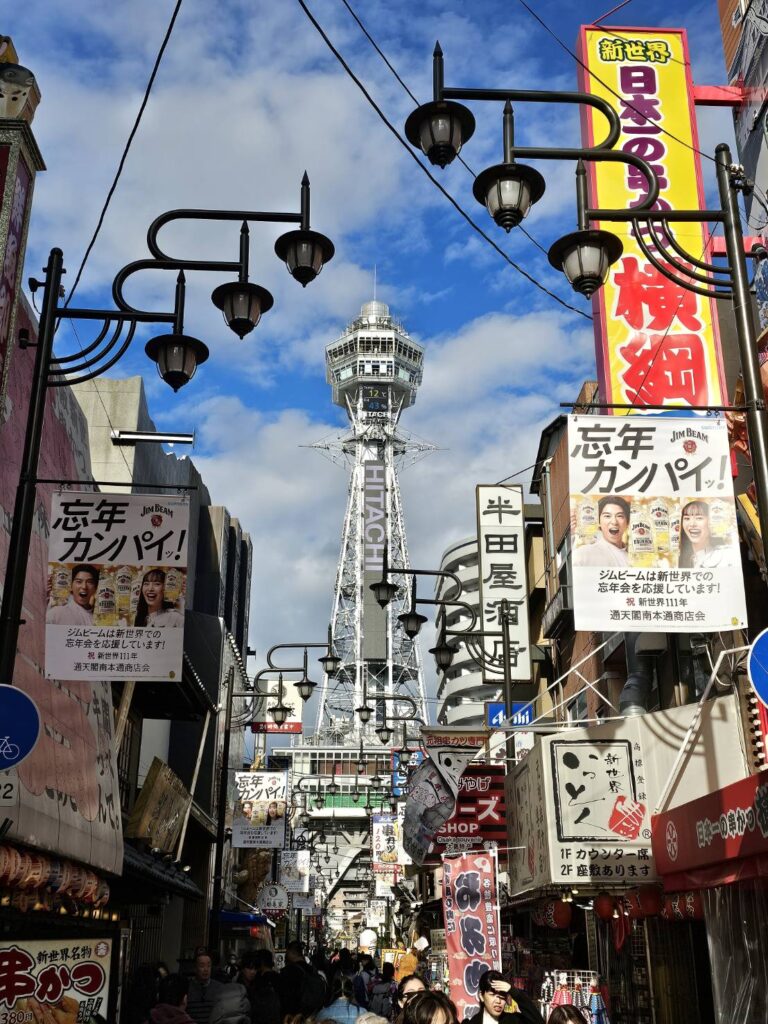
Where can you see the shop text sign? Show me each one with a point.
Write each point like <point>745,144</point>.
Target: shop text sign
<point>654,539</point>
<point>472,929</point>
<point>62,979</point>
<point>657,343</point>
<point>259,818</point>
<point>479,816</point>
<point>117,575</point>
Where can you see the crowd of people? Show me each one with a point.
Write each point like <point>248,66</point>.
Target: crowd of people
<point>340,987</point>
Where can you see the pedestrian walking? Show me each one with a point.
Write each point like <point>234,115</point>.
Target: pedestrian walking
<point>343,1008</point>
<point>171,1007</point>
<point>409,986</point>
<point>203,989</point>
<point>257,973</point>
<point>382,1001</point>
<point>231,1006</point>
<point>301,988</point>
<point>430,1008</point>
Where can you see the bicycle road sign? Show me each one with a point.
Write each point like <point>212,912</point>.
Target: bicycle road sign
<point>19,726</point>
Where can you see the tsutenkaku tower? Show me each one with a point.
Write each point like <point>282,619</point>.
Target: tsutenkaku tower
<point>375,369</point>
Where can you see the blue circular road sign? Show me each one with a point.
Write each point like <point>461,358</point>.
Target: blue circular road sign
<point>19,726</point>
<point>757,666</point>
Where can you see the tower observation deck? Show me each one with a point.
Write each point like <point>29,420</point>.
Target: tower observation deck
<point>374,369</point>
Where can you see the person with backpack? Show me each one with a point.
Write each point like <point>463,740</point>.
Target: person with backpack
<point>302,990</point>
<point>363,981</point>
<point>343,1008</point>
<point>383,993</point>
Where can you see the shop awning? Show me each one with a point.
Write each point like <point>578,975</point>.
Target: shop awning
<point>243,917</point>
<point>142,865</point>
<point>719,838</point>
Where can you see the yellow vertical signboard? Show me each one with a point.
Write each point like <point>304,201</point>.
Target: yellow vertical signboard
<point>657,343</point>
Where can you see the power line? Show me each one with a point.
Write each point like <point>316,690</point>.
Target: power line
<point>428,173</point>
<point>126,150</point>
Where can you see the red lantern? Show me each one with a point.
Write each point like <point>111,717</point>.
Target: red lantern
<point>645,901</point>
<point>603,906</point>
<point>557,914</point>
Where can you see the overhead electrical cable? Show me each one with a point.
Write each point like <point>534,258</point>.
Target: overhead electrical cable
<point>428,173</point>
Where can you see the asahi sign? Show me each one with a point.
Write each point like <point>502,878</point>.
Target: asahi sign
<point>502,578</point>
<point>374,540</point>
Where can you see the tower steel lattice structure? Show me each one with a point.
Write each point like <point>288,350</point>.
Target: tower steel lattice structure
<point>374,369</point>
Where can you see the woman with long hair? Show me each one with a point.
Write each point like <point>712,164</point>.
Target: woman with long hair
<point>566,1013</point>
<point>342,1007</point>
<point>698,549</point>
<point>152,609</point>
<point>408,987</point>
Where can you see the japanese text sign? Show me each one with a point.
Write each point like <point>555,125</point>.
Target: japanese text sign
<point>657,343</point>
<point>263,721</point>
<point>57,979</point>
<point>472,929</point>
<point>294,870</point>
<point>117,573</point>
<point>502,577</point>
<point>272,897</point>
<point>259,818</point>
<point>479,817</point>
<point>654,540</point>
<point>385,841</point>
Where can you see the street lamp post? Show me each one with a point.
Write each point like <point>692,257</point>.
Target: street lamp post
<point>509,190</point>
<point>176,354</point>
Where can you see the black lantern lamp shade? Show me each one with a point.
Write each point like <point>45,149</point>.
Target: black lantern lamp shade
<point>319,801</point>
<point>331,663</point>
<point>242,304</point>
<point>305,687</point>
<point>279,713</point>
<point>412,622</point>
<point>177,357</point>
<point>365,713</point>
<point>355,795</point>
<point>384,733</point>
<point>439,129</point>
<point>305,253</point>
<point>375,782</point>
<point>585,257</point>
<point>384,592</point>
<point>443,653</point>
<point>508,191</point>
<point>332,787</point>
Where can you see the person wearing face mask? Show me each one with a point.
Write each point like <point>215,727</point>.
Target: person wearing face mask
<point>500,1003</point>
<point>610,546</point>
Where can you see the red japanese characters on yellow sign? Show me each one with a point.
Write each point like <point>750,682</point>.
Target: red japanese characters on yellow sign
<point>657,344</point>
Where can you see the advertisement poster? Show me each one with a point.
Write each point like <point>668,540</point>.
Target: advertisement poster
<point>472,926</point>
<point>385,841</point>
<point>502,577</point>
<point>259,818</point>
<point>435,784</point>
<point>654,541</point>
<point>62,980</point>
<point>117,576</point>
<point>657,343</point>
<point>479,817</point>
<point>294,870</point>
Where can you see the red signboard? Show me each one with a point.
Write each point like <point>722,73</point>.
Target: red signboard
<point>728,825</point>
<point>262,727</point>
<point>472,929</point>
<point>479,817</point>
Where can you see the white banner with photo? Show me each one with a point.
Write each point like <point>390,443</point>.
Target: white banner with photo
<point>117,578</point>
<point>294,870</point>
<point>502,577</point>
<point>654,541</point>
<point>259,816</point>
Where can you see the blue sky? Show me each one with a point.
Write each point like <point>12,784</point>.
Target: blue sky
<point>248,97</point>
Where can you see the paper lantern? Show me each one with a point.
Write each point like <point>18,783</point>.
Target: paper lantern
<point>603,906</point>
<point>645,901</point>
<point>557,914</point>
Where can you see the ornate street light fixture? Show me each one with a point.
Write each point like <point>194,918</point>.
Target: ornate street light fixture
<point>508,190</point>
<point>365,713</point>
<point>384,733</point>
<point>439,128</point>
<point>304,252</point>
<point>443,653</point>
<point>280,711</point>
<point>305,685</point>
<point>331,662</point>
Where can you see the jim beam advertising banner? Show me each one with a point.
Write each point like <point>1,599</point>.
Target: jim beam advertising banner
<point>374,538</point>
<point>259,818</point>
<point>117,577</point>
<point>435,785</point>
<point>656,342</point>
<point>294,870</point>
<point>63,980</point>
<point>472,927</point>
<point>502,577</point>
<point>655,546</point>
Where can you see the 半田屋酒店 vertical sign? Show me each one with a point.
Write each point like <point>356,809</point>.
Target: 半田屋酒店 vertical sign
<point>656,342</point>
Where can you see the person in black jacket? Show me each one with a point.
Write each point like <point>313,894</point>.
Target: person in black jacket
<point>500,1003</point>
<point>302,990</point>
<point>261,982</point>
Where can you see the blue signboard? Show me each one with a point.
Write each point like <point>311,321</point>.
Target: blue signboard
<point>496,714</point>
<point>19,726</point>
<point>757,666</point>
<point>400,771</point>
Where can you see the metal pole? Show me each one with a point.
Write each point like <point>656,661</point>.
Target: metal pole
<point>214,925</point>
<point>193,783</point>
<point>24,507</point>
<point>757,420</point>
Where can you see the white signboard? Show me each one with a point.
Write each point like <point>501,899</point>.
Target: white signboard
<point>60,979</point>
<point>272,896</point>
<point>259,818</point>
<point>654,541</point>
<point>502,577</point>
<point>263,722</point>
<point>117,576</point>
<point>385,841</point>
<point>294,870</point>
<point>383,881</point>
